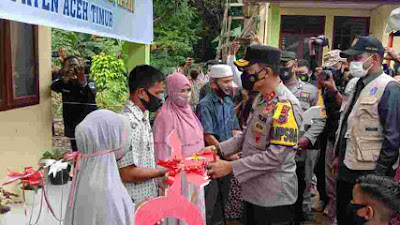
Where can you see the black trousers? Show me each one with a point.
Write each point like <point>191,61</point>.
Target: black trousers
<point>258,215</point>
<point>216,197</point>
<point>301,186</point>
<point>319,170</point>
<point>344,194</point>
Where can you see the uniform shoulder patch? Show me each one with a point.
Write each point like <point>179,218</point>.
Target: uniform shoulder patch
<point>284,125</point>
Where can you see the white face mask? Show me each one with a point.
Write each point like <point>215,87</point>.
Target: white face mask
<point>357,68</point>
<point>182,99</point>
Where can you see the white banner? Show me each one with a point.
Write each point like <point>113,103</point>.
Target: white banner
<point>130,20</point>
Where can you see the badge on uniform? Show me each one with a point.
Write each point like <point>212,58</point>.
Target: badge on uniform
<point>373,91</point>
<point>304,96</point>
<point>268,109</point>
<point>284,125</point>
<point>259,129</point>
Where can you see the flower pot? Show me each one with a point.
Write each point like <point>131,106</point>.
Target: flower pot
<point>62,177</point>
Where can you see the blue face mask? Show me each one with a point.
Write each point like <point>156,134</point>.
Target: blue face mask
<point>352,209</point>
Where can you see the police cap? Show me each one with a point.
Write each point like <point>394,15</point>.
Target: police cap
<point>260,54</point>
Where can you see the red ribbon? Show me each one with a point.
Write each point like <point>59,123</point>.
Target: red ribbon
<point>175,166</point>
<point>30,177</point>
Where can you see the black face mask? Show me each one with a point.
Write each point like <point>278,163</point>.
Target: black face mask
<point>352,210</point>
<point>285,73</point>
<point>153,104</point>
<point>304,77</point>
<point>248,80</point>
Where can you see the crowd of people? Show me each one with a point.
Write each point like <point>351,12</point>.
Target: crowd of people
<point>285,133</point>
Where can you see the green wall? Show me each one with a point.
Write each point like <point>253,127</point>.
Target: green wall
<point>274,21</point>
<point>135,54</point>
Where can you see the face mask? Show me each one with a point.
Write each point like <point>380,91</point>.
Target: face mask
<point>248,80</point>
<point>285,73</point>
<point>182,99</point>
<point>352,209</point>
<point>153,104</point>
<point>304,77</point>
<point>357,68</point>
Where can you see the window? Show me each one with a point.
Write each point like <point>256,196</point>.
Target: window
<point>347,28</point>
<point>19,67</point>
<point>296,31</point>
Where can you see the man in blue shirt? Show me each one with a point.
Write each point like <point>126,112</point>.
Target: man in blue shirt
<point>218,117</point>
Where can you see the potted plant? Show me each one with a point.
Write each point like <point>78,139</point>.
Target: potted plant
<point>58,170</point>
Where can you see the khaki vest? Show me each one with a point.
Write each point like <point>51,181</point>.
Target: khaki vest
<point>364,135</point>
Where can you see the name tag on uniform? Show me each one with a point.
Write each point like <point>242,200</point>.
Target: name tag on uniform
<point>284,125</point>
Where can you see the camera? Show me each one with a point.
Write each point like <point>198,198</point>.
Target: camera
<point>324,75</point>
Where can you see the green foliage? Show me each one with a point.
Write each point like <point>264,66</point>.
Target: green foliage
<point>109,73</point>
<point>175,25</point>
<point>83,45</point>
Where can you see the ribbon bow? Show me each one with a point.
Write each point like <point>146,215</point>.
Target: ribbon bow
<point>30,177</point>
<point>176,165</point>
<point>55,166</point>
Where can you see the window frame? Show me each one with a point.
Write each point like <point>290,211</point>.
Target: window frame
<point>8,98</point>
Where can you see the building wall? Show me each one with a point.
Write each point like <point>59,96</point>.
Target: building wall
<point>135,54</point>
<point>377,22</point>
<point>25,132</point>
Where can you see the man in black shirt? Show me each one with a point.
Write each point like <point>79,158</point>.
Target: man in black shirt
<point>78,96</point>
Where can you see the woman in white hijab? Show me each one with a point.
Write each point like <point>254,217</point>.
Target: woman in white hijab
<point>98,196</point>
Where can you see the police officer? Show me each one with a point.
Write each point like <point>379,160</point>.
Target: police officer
<point>267,169</point>
<point>368,138</point>
<point>308,96</point>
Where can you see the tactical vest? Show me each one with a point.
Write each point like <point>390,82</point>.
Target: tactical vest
<point>364,136</point>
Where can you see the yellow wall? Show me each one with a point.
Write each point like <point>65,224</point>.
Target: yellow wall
<point>26,132</point>
<point>378,25</point>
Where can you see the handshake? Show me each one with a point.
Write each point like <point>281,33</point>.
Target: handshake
<point>218,168</point>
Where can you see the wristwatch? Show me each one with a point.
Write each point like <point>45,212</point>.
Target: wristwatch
<point>217,149</point>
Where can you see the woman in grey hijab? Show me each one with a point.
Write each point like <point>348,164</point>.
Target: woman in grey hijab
<point>98,196</point>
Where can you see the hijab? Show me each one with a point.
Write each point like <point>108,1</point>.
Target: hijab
<point>175,116</point>
<point>100,198</point>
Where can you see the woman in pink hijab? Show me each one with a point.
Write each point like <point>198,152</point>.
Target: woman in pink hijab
<point>176,114</point>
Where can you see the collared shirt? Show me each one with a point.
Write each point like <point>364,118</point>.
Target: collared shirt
<point>141,152</point>
<point>267,172</point>
<point>388,109</point>
<point>307,94</point>
<point>218,116</point>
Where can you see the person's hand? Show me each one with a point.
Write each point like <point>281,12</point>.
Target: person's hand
<point>303,143</point>
<point>235,47</point>
<point>391,54</point>
<point>329,84</point>
<point>220,168</point>
<point>207,150</point>
<point>61,54</point>
<point>233,157</point>
<point>162,186</point>
<point>188,62</point>
<point>256,39</point>
<point>161,172</point>
<point>80,71</point>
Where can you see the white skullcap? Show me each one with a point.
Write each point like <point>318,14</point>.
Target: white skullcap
<point>220,71</point>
